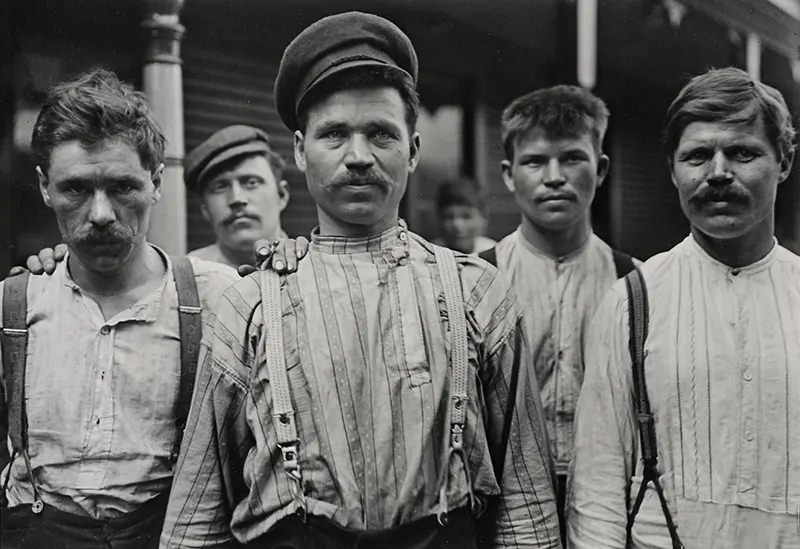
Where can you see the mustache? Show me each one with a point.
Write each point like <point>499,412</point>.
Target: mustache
<point>365,178</point>
<point>714,194</point>
<point>238,215</point>
<point>92,236</point>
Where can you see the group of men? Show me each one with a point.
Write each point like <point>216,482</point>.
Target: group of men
<point>390,392</point>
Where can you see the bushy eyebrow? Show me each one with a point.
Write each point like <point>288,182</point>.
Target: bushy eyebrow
<point>111,180</point>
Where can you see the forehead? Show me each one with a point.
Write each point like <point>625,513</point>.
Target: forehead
<point>359,105</point>
<point>708,133</point>
<point>109,158</point>
<point>538,139</point>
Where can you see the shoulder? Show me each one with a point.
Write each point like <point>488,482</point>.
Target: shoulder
<point>787,259</point>
<point>212,279</point>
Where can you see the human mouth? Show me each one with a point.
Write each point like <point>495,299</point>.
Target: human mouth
<point>558,197</point>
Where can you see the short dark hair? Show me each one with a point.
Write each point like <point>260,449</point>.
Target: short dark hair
<point>459,192</point>
<point>93,107</point>
<point>364,77</point>
<point>731,96</point>
<point>560,111</point>
<point>276,163</point>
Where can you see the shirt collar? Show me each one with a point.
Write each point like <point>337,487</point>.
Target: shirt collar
<point>389,239</point>
<point>570,257</point>
<point>144,310</point>
<point>757,266</point>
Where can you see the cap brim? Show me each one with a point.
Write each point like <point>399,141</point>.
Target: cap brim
<point>343,67</point>
<point>228,154</point>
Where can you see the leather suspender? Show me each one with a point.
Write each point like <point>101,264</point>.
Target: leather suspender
<point>638,319</point>
<point>15,345</point>
<point>15,350</point>
<point>190,326</point>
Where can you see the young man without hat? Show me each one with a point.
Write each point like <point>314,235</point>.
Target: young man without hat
<point>384,402</point>
<point>715,393</point>
<point>553,139</point>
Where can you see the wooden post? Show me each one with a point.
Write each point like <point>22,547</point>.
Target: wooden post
<point>162,83</point>
<point>587,43</point>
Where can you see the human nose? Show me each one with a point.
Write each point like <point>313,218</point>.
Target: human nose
<point>720,169</point>
<point>553,174</point>
<point>236,195</point>
<point>359,155</point>
<point>102,211</point>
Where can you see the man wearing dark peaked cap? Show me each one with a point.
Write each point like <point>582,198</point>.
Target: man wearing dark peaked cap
<point>378,397</point>
<point>239,181</point>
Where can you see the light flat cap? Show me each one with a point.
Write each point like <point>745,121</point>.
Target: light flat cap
<point>335,44</point>
<point>221,146</point>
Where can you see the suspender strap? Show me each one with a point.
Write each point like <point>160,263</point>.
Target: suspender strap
<point>623,263</point>
<point>283,418</point>
<point>15,346</point>
<point>15,351</point>
<point>190,325</point>
<point>454,300</point>
<point>638,320</point>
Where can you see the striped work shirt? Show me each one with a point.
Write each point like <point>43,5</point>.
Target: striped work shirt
<point>364,336</point>
<point>559,296</point>
<point>723,376</point>
<point>100,393</point>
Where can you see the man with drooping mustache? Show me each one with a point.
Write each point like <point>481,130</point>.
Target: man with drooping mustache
<point>379,397</point>
<point>98,360</point>
<point>687,430</point>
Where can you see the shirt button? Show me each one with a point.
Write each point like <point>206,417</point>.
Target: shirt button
<point>748,376</point>
<point>105,330</point>
<point>402,236</point>
<point>403,261</point>
<point>749,436</point>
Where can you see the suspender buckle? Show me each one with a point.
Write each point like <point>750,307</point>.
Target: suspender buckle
<point>37,506</point>
<point>456,437</point>
<point>291,463</point>
<point>645,418</point>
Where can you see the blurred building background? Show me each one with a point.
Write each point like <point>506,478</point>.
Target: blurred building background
<point>475,56</point>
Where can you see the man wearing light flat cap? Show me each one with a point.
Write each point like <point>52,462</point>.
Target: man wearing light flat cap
<point>238,178</point>
<point>379,396</point>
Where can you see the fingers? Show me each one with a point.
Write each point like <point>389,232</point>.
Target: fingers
<point>291,256</point>
<point>301,247</point>
<point>279,254</point>
<point>16,270</point>
<point>245,270</point>
<point>60,252</point>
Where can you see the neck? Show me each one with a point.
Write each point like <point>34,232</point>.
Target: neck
<point>143,265</point>
<point>738,252</point>
<point>556,243</point>
<point>329,226</point>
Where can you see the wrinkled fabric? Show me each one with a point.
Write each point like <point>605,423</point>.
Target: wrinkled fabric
<point>723,376</point>
<point>100,394</point>
<point>559,296</point>
<point>364,326</point>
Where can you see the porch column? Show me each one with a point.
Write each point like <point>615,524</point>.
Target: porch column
<point>587,43</point>
<point>162,83</point>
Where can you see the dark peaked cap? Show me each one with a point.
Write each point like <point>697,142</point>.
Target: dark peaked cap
<point>223,145</point>
<point>334,44</point>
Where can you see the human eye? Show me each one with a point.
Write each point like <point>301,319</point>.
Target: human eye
<point>216,187</point>
<point>574,158</point>
<point>695,157</point>
<point>252,182</point>
<point>73,189</point>
<point>124,187</point>
<point>743,154</point>
<point>533,161</point>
